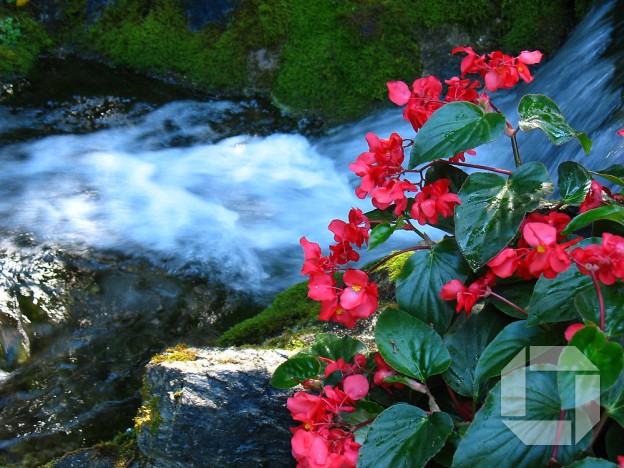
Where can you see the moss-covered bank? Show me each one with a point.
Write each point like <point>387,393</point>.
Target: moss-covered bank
<point>327,58</point>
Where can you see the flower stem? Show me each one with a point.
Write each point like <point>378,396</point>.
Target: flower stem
<point>558,436</point>
<point>516,151</point>
<point>463,164</point>
<point>508,302</point>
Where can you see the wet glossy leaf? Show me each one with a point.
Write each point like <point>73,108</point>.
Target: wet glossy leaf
<point>493,207</point>
<point>404,435</point>
<point>608,212</point>
<point>507,344</point>
<point>457,126</point>
<point>295,370</point>
<point>333,347</point>
<point>613,174</point>
<point>586,302</point>
<point>380,234</point>
<point>574,182</point>
<point>539,111</point>
<point>410,346</point>
<point>419,285</point>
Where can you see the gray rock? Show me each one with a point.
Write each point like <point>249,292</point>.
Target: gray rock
<point>217,411</point>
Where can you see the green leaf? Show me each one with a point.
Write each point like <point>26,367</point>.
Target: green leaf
<point>574,182</point>
<point>613,174</point>
<point>493,207</point>
<point>587,304</point>
<point>591,462</point>
<point>552,299</point>
<point>410,346</point>
<point>380,234</point>
<point>509,342</point>
<point>381,215</point>
<point>466,340</point>
<point>295,370</point>
<point>457,177</point>
<point>538,111</point>
<point>421,280</point>
<point>607,357</point>
<point>332,347</point>
<point>613,401</point>
<point>610,212</point>
<point>490,441</point>
<point>457,126</point>
<point>404,435</point>
<point>519,293</point>
<point>613,441</point>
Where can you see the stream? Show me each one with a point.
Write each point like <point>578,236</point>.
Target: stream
<point>135,215</point>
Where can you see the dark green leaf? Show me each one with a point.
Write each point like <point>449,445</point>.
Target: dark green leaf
<point>586,302</point>
<point>421,280</point>
<point>613,441</point>
<point>613,401</point>
<point>380,234</point>
<point>610,212</point>
<point>332,347</point>
<point>552,299</point>
<point>591,462</point>
<point>574,182</point>
<point>493,207</point>
<point>607,357</point>
<point>489,441</point>
<point>410,346</point>
<point>465,341</point>
<point>518,293</point>
<point>538,111</point>
<point>506,345</point>
<point>381,215</point>
<point>458,126</point>
<point>613,174</point>
<point>295,370</point>
<point>405,436</point>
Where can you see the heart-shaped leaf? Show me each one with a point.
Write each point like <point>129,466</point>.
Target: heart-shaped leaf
<point>457,126</point>
<point>410,346</point>
<point>404,435</point>
<point>295,370</point>
<point>586,302</point>
<point>608,212</point>
<point>493,207</point>
<point>380,234</point>
<point>421,280</point>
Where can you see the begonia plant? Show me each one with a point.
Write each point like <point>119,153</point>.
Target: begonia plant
<point>504,344</point>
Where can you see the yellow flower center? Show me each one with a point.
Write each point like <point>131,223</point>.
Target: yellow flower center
<point>541,249</point>
<point>356,288</point>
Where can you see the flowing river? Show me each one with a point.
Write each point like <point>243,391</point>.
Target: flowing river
<point>173,213</point>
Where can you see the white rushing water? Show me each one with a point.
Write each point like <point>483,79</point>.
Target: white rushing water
<point>240,206</point>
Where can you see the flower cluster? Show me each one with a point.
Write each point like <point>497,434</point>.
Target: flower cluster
<point>358,299</point>
<point>324,438</point>
<point>498,70</point>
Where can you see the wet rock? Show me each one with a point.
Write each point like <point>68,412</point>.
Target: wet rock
<point>216,410</point>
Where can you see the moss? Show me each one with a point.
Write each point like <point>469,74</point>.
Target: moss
<point>178,353</point>
<point>395,265</point>
<point>535,24</point>
<point>289,308</point>
<point>148,416</point>
<point>27,40</point>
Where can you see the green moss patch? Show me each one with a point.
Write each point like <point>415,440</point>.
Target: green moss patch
<point>291,308</point>
<point>21,41</point>
<point>178,353</point>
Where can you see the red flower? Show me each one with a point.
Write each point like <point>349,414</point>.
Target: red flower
<point>307,408</point>
<point>434,200</point>
<point>572,329</point>
<point>356,386</point>
<point>355,232</point>
<point>422,101</point>
<point>383,372</point>
<point>505,263</point>
<point>472,63</point>
<point>593,199</point>
<point>321,287</point>
<point>461,90</point>
<point>547,257</point>
<point>621,133</point>
<point>467,297</point>
<point>392,192</point>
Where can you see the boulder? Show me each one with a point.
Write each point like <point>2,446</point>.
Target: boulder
<point>215,407</point>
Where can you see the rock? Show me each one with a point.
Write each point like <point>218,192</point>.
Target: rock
<point>216,410</point>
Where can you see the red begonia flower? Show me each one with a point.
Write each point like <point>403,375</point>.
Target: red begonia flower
<point>572,329</point>
<point>356,386</point>
<point>505,263</point>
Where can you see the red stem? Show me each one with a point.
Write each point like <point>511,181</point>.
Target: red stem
<point>463,164</point>
<point>394,254</point>
<point>558,436</point>
<point>508,302</point>
<point>600,300</point>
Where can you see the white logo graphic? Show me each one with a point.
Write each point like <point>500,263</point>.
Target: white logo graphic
<point>580,393</point>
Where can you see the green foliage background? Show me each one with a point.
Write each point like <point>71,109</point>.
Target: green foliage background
<point>329,58</point>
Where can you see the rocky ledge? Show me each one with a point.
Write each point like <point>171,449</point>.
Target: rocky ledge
<point>215,407</point>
